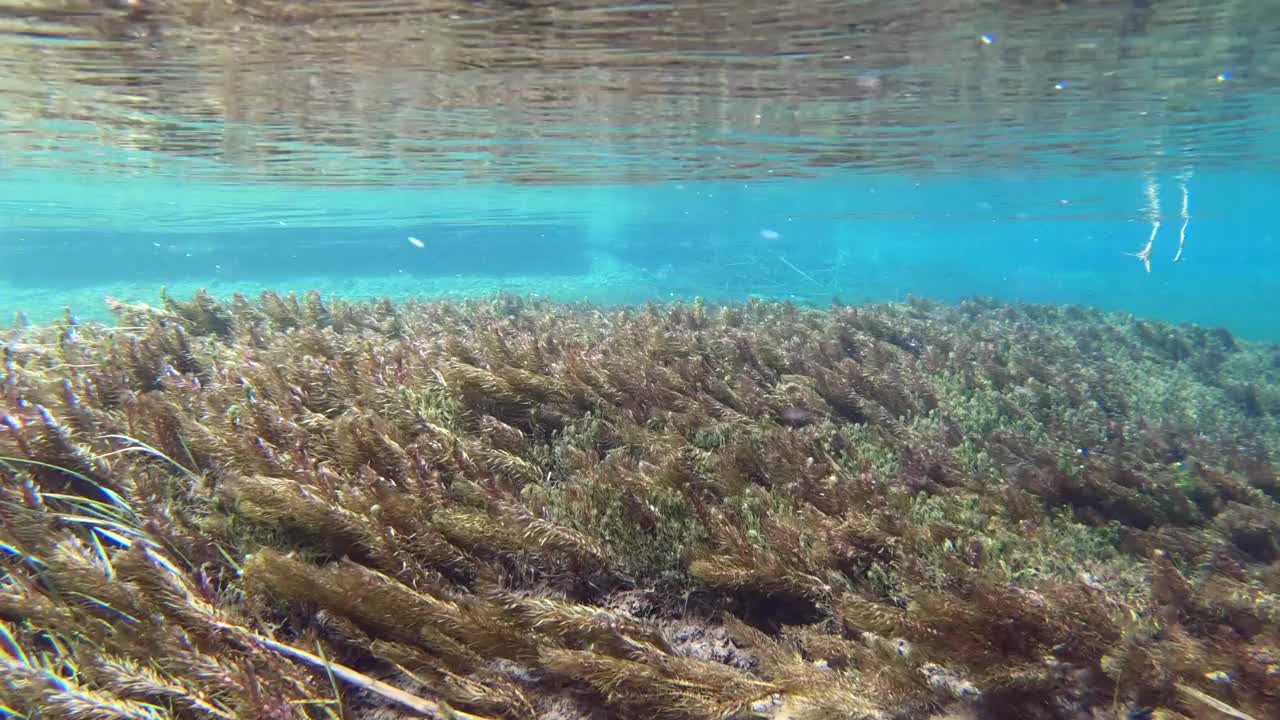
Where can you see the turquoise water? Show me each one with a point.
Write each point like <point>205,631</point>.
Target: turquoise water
<point>851,236</point>
<point>623,153</point>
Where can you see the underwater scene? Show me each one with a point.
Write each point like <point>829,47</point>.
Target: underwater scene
<point>684,360</point>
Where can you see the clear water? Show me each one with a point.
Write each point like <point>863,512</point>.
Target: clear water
<point>620,153</point>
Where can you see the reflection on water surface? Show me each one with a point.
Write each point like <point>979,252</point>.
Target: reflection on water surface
<point>432,92</point>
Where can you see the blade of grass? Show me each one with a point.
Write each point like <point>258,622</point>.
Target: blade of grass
<point>1212,702</point>
<point>103,558</point>
<point>429,708</point>
<point>333,682</point>
<point>10,646</point>
<point>137,445</point>
<point>111,495</point>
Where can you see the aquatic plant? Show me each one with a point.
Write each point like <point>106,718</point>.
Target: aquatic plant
<point>506,507</point>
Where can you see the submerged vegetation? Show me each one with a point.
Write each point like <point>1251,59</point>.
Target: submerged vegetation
<point>508,508</point>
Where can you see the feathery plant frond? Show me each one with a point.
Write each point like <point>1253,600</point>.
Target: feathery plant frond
<point>510,507</point>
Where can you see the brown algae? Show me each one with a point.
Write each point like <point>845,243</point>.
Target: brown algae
<point>509,508</point>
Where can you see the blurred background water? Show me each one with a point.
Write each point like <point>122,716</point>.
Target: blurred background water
<point>1023,150</point>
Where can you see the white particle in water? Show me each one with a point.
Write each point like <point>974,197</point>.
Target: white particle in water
<point>416,242</point>
<point>767,234</point>
<point>987,39</point>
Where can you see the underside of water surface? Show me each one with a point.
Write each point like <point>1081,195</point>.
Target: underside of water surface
<point>679,360</point>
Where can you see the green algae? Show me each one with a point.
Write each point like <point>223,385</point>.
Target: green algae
<point>684,511</point>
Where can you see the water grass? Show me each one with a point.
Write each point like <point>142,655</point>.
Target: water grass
<point>509,508</point>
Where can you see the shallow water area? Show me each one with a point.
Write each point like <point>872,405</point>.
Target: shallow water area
<point>681,360</point>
